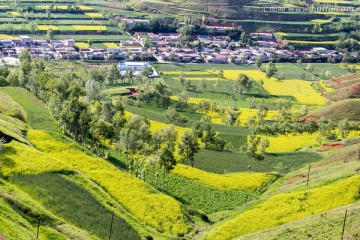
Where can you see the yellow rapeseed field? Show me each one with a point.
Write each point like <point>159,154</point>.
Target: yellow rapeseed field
<point>290,143</point>
<point>188,73</point>
<point>148,205</point>
<point>191,100</point>
<point>311,42</point>
<point>288,207</point>
<point>47,27</point>
<point>82,45</point>
<point>63,7</point>
<point>89,27</point>
<point>300,89</point>
<point>94,15</point>
<point>198,79</point>
<point>85,8</point>
<point>326,88</point>
<point>111,45</point>
<point>248,182</point>
<point>4,6</point>
<point>16,14</point>
<point>245,113</point>
<point>5,36</point>
<point>20,158</point>
<point>321,20</point>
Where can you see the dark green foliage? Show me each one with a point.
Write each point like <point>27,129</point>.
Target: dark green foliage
<point>199,196</point>
<point>221,162</point>
<point>75,204</point>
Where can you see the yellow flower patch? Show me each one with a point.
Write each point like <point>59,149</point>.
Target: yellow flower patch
<point>16,14</point>
<point>326,88</point>
<point>5,36</point>
<point>111,45</point>
<point>82,45</point>
<point>188,73</point>
<point>244,115</point>
<point>85,8</point>
<point>47,27</point>
<point>191,100</point>
<point>248,182</point>
<point>321,20</point>
<point>290,143</point>
<point>94,15</point>
<point>288,207</point>
<point>311,42</point>
<point>89,28</point>
<point>299,89</point>
<point>144,202</point>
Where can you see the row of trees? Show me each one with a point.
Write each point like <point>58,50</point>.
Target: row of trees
<point>89,117</point>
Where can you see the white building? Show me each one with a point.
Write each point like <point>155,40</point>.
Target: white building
<point>138,66</point>
<point>320,50</point>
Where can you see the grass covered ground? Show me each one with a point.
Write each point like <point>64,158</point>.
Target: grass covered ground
<point>247,182</point>
<point>148,205</point>
<point>287,207</point>
<point>200,196</point>
<point>225,162</point>
<point>326,225</point>
<point>38,117</point>
<point>71,202</point>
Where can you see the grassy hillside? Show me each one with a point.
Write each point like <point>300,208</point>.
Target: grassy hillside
<point>157,210</point>
<point>38,115</point>
<point>326,225</point>
<point>287,207</point>
<point>349,109</point>
<point>11,108</point>
<point>71,202</point>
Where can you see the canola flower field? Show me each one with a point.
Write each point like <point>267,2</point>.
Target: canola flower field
<point>245,113</point>
<point>301,90</point>
<point>287,207</point>
<point>47,27</point>
<point>153,208</point>
<point>290,142</point>
<point>63,7</point>
<point>82,45</point>
<point>247,182</point>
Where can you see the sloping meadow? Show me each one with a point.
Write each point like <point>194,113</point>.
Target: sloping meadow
<point>148,205</point>
<point>287,207</point>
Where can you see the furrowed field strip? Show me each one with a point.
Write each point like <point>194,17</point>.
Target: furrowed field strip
<point>247,182</point>
<point>288,207</point>
<point>156,209</point>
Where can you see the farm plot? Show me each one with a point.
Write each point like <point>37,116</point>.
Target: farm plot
<point>156,209</point>
<point>288,207</point>
<point>247,182</point>
<point>301,90</point>
<point>290,143</point>
<point>72,202</point>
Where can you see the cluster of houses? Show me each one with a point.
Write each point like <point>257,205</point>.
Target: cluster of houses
<point>165,47</point>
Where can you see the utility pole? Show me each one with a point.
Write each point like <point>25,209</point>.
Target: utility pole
<point>308,176</point>
<point>112,219</point>
<point>37,233</point>
<point>343,229</point>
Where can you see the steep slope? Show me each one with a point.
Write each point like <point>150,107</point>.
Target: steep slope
<point>349,109</point>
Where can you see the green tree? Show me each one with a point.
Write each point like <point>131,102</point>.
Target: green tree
<point>174,117</point>
<point>270,69</point>
<point>182,79</point>
<point>203,84</point>
<point>242,83</point>
<point>113,74</point>
<point>258,62</point>
<point>255,148</point>
<point>182,102</point>
<point>188,147</point>
<point>309,68</point>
